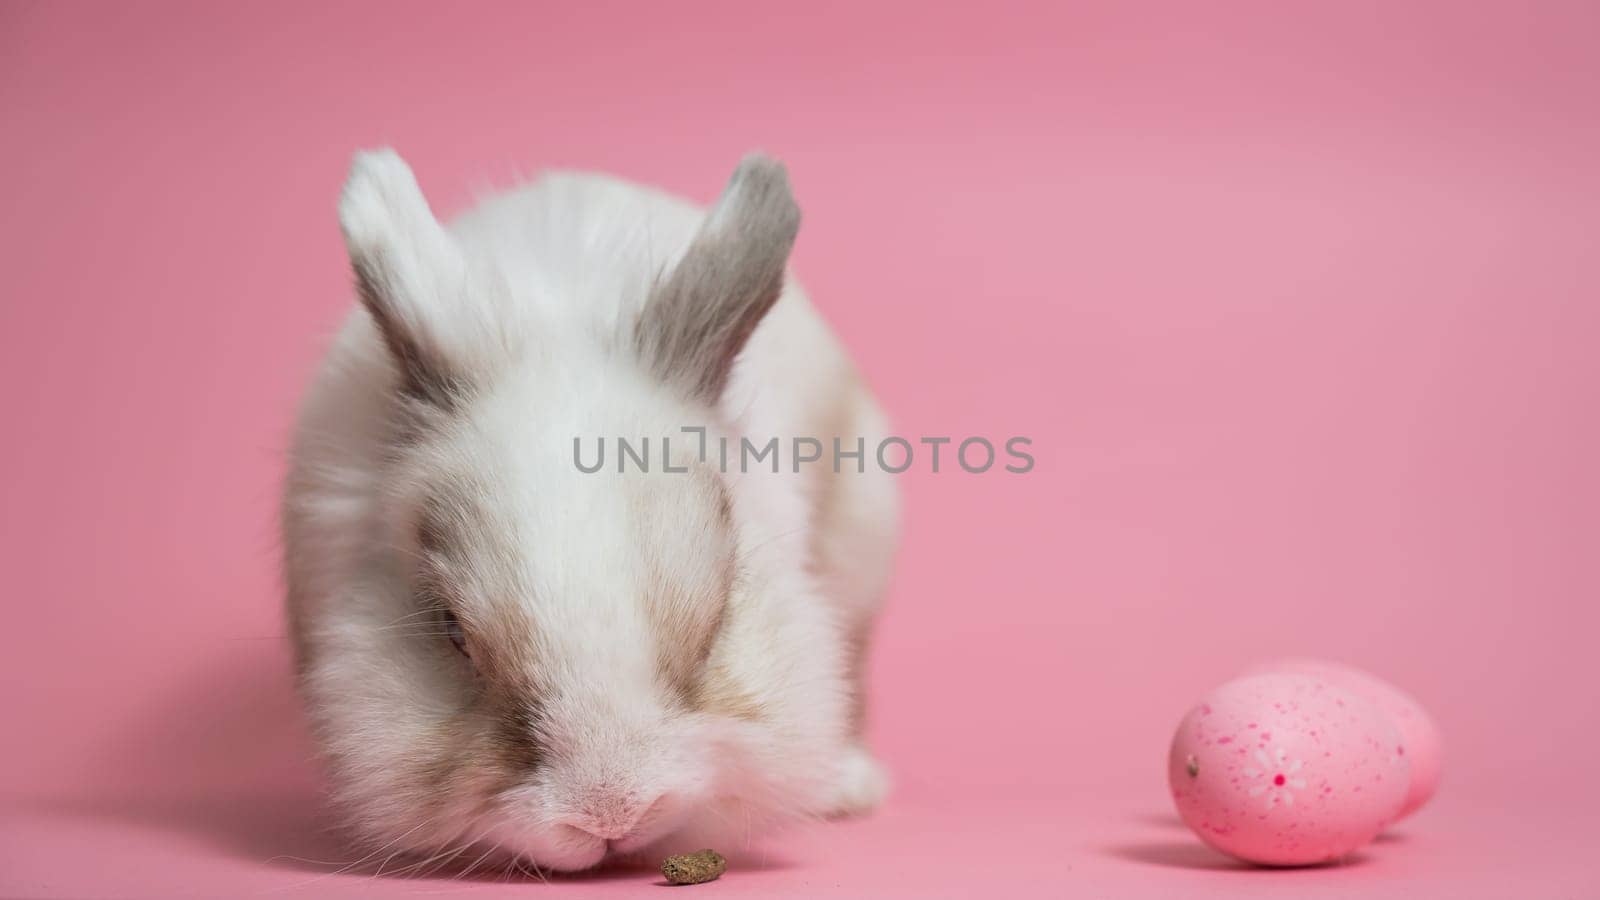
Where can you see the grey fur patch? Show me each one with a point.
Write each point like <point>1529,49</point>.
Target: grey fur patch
<point>702,313</point>
<point>424,374</point>
<point>517,736</point>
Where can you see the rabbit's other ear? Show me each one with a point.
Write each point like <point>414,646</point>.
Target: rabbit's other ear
<point>701,314</point>
<point>410,274</point>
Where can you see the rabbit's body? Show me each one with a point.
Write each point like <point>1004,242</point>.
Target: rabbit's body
<point>645,658</point>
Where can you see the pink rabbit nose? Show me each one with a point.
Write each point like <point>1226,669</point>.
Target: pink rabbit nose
<point>612,817</point>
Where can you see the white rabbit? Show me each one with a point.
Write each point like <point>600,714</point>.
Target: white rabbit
<point>504,655</point>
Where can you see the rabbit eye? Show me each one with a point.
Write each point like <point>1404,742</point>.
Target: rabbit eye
<point>452,629</point>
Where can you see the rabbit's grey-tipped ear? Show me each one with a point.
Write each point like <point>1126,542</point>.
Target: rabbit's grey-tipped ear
<point>409,273</point>
<point>699,317</point>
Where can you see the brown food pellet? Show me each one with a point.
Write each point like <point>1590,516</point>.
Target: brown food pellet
<point>694,868</point>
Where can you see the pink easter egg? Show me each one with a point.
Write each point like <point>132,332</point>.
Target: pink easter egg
<point>1418,734</point>
<point>1287,769</point>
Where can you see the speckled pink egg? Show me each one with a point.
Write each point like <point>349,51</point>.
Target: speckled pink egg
<point>1419,735</point>
<point>1287,769</point>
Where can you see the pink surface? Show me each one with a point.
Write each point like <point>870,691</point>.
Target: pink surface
<point>1299,311</point>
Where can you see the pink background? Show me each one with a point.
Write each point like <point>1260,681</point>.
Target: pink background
<point>1300,310</point>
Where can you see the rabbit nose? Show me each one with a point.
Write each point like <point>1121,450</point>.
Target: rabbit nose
<point>612,817</point>
<point>603,832</point>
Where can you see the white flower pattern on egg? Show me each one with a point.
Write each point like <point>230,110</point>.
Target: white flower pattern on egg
<point>1278,772</point>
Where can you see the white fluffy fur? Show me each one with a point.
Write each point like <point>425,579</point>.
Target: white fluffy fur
<point>535,292</point>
